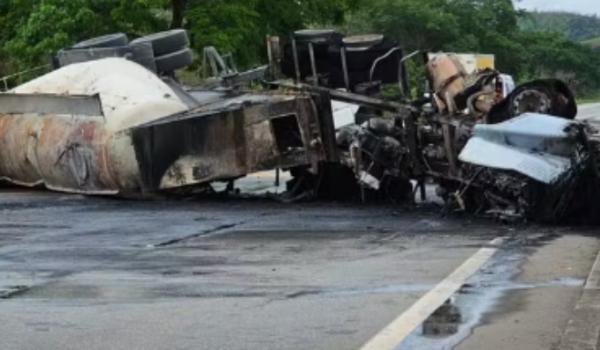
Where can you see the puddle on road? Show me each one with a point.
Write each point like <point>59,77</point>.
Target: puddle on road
<point>455,321</point>
<point>445,321</point>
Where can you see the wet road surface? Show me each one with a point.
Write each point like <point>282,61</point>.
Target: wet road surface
<point>93,273</point>
<point>589,112</point>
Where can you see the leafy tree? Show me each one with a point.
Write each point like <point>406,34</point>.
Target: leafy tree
<point>40,27</point>
<point>526,45</point>
<point>552,55</point>
<point>230,26</point>
<point>50,26</point>
<point>574,26</point>
<point>12,14</point>
<point>487,26</point>
<point>425,25</point>
<point>240,26</point>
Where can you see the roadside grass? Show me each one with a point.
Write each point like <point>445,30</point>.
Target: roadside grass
<point>190,76</point>
<point>589,99</point>
<point>595,42</point>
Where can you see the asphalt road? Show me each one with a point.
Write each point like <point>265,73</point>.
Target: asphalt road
<point>589,111</point>
<point>92,273</point>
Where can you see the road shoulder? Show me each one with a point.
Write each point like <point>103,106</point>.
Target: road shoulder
<point>583,330</point>
<point>533,314</point>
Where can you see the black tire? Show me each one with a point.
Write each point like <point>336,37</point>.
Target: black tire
<point>563,103</point>
<point>139,53</point>
<point>174,61</point>
<point>73,56</point>
<point>111,40</point>
<point>321,57</point>
<point>165,43</point>
<point>144,56</point>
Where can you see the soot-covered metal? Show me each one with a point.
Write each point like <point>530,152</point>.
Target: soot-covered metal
<point>225,143</point>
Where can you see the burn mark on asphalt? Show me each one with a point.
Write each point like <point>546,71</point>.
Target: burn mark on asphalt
<point>13,292</point>
<point>196,235</point>
<point>33,226</point>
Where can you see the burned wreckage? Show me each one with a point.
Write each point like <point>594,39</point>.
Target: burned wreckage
<point>510,153</point>
<point>102,124</point>
<point>111,121</point>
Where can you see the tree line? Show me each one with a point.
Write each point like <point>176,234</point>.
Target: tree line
<point>31,30</point>
<point>574,26</point>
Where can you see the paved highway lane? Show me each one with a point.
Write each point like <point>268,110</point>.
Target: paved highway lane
<point>590,111</point>
<point>104,274</point>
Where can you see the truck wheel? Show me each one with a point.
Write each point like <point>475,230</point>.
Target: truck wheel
<point>165,43</point>
<point>174,61</point>
<point>144,55</point>
<point>111,40</point>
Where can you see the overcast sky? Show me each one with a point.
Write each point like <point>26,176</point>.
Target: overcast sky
<point>581,6</point>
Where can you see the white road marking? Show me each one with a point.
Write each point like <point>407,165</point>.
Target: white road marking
<point>593,281</point>
<point>392,336</point>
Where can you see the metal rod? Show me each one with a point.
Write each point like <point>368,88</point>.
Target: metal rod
<point>421,185</point>
<point>372,72</point>
<point>27,71</point>
<point>270,56</point>
<point>204,63</point>
<point>379,59</point>
<point>349,97</point>
<point>296,64</point>
<point>345,68</point>
<point>313,63</point>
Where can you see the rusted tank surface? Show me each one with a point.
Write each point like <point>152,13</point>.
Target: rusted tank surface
<point>17,149</point>
<point>74,151</point>
<point>71,155</point>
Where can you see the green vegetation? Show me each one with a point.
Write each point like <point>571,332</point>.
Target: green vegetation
<point>594,42</point>
<point>483,26</point>
<point>574,26</point>
<point>589,99</point>
<point>526,45</point>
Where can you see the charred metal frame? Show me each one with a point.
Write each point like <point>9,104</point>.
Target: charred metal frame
<point>231,142</point>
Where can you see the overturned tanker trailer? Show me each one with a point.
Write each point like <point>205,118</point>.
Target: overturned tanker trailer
<point>112,127</point>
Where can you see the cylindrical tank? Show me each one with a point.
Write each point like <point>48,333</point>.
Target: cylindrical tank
<point>85,154</point>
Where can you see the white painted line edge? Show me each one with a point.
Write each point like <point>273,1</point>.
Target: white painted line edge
<point>593,281</point>
<point>392,336</point>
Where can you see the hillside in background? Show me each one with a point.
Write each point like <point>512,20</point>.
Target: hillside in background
<point>574,26</point>
<point>595,42</point>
